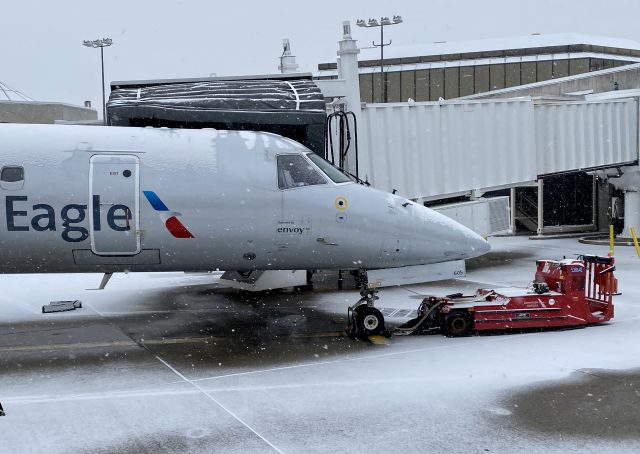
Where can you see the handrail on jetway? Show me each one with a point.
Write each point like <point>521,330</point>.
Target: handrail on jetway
<point>344,134</point>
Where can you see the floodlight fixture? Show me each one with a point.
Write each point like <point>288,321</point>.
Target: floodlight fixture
<point>101,43</point>
<point>374,23</point>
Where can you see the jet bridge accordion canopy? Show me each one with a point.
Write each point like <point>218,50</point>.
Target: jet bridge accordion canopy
<point>289,105</point>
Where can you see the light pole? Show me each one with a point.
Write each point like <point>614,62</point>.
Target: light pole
<point>374,23</point>
<point>101,43</point>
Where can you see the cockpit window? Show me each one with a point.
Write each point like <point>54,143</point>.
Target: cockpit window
<point>294,171</point>
<point>329,169</point>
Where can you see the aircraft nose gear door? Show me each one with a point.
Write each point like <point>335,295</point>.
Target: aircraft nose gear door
<point>114,204</point>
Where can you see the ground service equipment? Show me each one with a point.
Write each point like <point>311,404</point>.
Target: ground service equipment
<point>568,292</point>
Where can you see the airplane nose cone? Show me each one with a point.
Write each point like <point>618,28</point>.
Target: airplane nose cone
<point>456,240</point>
<point>477,245</point>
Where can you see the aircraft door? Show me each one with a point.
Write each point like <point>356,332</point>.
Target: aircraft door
<point>114,188</point>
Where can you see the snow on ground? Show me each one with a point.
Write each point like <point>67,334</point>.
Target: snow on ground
<point>173,363</point>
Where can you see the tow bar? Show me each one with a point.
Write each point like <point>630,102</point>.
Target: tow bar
<point>426,320</point>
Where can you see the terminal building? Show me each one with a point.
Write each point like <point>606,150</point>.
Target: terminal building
<point>16,107</point>
<point>448,70</point>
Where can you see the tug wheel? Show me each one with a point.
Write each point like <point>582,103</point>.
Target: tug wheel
<point>370,320</point>
<point>457,324</point>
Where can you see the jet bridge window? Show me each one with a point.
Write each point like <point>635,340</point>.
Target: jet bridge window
<point>12,177</point>
<point>294,171</point>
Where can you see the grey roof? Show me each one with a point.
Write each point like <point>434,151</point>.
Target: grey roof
<point>498,50</point>
<point>494,44</point>
<point>153,82</point>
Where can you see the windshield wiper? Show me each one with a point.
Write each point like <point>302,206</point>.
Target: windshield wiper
<point>355,178</point>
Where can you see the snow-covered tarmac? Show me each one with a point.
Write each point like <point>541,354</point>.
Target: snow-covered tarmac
<point>173,363</point>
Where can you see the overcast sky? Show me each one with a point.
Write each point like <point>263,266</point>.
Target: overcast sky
<point>41,52</point>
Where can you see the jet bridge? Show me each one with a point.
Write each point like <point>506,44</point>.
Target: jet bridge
<point>287,104</point>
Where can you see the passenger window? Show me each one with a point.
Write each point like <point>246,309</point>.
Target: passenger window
<point>295,171</point>
<point>12,177</point>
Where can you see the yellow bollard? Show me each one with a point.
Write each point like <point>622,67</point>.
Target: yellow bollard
<point>635,241</point>
<point>611,240</point>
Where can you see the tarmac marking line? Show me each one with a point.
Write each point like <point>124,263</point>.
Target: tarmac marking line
<point>127,343</point>
<point>378,340</point>
<point>109,395</point>
<point>33,348</point>
<point>344,360</point>
<point>44,398</point>
<point>162,311</point>
<point>184,340</point>
<point>218,403</point>
<point>314,335</point>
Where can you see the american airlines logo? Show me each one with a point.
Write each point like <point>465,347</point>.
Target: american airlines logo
<point>170,218</point>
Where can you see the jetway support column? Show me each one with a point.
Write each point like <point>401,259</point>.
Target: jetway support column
<point>631,211</point>
<point>512,209</point>
<point>540,206</point>
<point>629,182</point>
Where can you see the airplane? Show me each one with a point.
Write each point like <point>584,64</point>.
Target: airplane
<point>85,199</point>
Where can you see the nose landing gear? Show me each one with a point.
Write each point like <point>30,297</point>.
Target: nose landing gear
<point>364,319</point>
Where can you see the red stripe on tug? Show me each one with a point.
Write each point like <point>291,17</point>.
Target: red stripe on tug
<point>176,228</point>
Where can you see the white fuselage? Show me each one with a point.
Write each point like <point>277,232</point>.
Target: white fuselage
<point>108,199</point>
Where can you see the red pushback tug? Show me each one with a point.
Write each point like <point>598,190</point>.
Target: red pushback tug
<point>567,292</point>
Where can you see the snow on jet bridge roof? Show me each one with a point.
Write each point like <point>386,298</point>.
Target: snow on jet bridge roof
<point>289,105</point>
<point>265,95</point>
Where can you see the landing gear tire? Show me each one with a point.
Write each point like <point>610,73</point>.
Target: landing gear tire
<point>457,324</point>
<point>369,320</point>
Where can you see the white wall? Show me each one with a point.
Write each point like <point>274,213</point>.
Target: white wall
<point>583,135</point>
<point>436,150</point>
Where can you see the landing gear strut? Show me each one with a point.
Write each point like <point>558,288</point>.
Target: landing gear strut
<point>364,319</point>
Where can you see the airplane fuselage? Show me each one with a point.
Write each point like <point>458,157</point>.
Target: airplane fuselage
<point>109,199</point>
